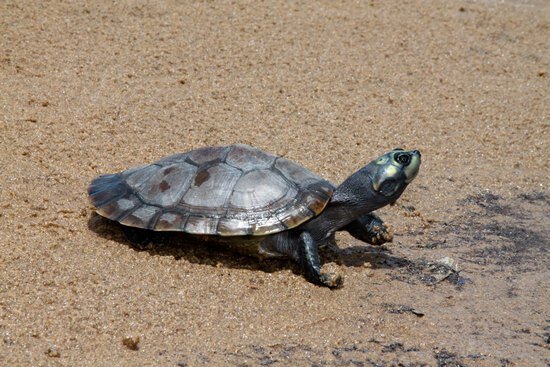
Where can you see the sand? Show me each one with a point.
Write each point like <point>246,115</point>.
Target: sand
<point>87,89</point>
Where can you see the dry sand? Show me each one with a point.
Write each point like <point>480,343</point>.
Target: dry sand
<point>87,89</point>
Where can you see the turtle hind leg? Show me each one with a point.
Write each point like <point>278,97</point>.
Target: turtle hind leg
<point>138,237</point>
<point>311,264</point>
<point>370,229</point>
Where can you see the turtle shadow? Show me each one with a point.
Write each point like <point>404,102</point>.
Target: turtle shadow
<point>187,247</point>
<point>195,250</point>
<point>357,256</point>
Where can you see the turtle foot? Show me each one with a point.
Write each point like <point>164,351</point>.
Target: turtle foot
<point>370,229</point>
<point>381,234</point>
<point>331,280</point>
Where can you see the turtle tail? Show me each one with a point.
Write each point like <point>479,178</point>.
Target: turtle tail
<point>107,188</point>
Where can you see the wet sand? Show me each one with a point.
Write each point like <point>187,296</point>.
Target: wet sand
<point>92,89</point>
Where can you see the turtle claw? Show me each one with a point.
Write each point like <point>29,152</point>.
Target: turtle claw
<point>381,234</point>
<point>332,280</point>
<point>370,229</point>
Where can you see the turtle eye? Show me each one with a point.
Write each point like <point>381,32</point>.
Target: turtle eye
<point>404,159</point>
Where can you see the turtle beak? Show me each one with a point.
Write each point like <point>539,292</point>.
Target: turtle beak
<point>411,170</point>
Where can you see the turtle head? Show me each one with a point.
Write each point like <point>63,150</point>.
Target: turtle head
<point>380,182</point>
<point>393,171</point>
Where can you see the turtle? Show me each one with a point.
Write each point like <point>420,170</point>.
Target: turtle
<point>255,202</point>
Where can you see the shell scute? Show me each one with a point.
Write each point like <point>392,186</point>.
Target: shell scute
<point>119,208</point>
<point>167,185</point>
<point>169,221</point>
<point>142,217</point>
<point>247,158</point>
<point>201,225</point>
<point>258,189</point>
<point>212,187</point>
<point>207,154</point>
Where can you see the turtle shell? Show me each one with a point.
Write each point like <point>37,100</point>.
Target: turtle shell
<point>228,191</point>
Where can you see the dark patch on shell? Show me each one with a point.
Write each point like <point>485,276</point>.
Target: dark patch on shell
<point>201,177</point>
<point>164,186</point>
<point>168,170</point>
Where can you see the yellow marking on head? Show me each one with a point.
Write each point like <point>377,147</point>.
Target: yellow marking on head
<point>390,171</point>
<point>384,173</point>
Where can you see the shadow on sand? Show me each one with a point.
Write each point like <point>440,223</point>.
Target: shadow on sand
<point>206,250</point>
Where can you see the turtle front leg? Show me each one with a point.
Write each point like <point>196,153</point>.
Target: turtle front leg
<point>370,229</point>
<point>308,255</point>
